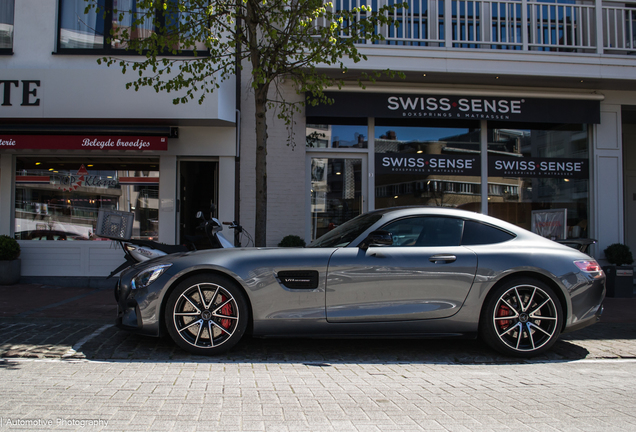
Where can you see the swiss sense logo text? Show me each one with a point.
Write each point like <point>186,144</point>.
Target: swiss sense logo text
<point>465,108</point>
<point>427,164</point>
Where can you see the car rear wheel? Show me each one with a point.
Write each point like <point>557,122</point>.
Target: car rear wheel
<point>206,314</point>
<point>522,318</point>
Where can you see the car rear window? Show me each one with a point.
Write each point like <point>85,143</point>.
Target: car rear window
<point>476,233</point>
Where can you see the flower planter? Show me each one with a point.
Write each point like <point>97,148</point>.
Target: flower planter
<point>620,281</point>
<point>10,272</point>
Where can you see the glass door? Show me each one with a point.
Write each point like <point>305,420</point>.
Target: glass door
<point>338,190</point>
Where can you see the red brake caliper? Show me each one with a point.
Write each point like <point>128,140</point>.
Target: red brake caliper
<point>503,311</point>
<point>227,311</point>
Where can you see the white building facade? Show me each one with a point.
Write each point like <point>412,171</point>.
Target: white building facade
<point>524,110</point>
<point>74,140</point>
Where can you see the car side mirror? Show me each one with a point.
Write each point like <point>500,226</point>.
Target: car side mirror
<point>377,238</point>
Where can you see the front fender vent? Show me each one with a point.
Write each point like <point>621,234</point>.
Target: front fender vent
<point>298,279</point>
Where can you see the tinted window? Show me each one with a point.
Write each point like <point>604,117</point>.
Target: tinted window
<point>476,233</point>
<point>426,231</point>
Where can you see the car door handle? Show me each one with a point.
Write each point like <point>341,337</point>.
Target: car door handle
<point>440,259</point>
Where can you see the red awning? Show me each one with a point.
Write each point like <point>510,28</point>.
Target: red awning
<point>82,142</point>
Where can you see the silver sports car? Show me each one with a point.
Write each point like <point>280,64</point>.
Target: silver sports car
<point>416,272</point>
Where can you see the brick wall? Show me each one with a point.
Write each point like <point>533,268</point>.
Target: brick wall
<point>285,169</point>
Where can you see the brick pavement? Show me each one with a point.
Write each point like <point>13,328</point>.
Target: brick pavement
<point>367,395</point>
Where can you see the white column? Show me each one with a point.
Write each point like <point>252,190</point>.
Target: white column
<point>227,182</point>
<point>448,24</point>
<point>607,181</point>
<point>598,9</point>
<point>483,140</point>
<point>168,199</point>
<point>371,165</point>
<point>7,174</point>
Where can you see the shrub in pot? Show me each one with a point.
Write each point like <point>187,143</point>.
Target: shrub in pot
<point>9,260</point>
<point>292,241</point>
<point>620,274</point>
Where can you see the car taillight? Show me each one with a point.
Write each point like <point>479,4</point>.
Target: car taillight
<point>588,266</point>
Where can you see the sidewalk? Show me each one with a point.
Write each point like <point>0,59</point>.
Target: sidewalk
<point>45,301</point>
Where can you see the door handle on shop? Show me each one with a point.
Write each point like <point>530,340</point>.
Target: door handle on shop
<point>440,259</point>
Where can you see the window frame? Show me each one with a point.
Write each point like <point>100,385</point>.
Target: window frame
<point>9,51</point>
<point>461,236</point>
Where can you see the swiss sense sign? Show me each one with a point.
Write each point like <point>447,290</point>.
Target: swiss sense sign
<point>453,107</point>
<point>82,142</point>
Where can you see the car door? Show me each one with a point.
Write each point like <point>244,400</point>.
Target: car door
<point>425,274</point>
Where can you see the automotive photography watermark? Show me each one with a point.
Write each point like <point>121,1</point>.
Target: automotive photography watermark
<point>28,423</point>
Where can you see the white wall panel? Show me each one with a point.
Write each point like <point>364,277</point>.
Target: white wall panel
<point>608,131</point>
<point>607,202</point>
<point>69,258</point>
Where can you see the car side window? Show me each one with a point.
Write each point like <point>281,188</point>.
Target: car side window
<point>476,233</point>
<point>426,231</point>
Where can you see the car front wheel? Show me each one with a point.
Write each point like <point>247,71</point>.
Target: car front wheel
<point>206,314</point>
<point>522,318</point>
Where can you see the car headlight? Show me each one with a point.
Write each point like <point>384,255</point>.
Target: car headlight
<point>149,275</point>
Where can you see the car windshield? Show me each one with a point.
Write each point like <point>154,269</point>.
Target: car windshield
<point>344,234</point>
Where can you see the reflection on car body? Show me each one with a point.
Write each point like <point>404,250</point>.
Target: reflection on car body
<point>400,272</point>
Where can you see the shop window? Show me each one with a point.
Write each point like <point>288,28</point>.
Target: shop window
<point>336,133</point>
<point>59,198</point>
<point>336,193</point>
<point>6,26</point>
<point>417,164</point>
<point>539,168</point>
<point>101,29</point>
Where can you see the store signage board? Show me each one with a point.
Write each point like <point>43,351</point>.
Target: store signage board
<point>470,165</point>
<point>452,107</point>
<point>82,142</point>
<point>499,166</point>
<point>427,164</point>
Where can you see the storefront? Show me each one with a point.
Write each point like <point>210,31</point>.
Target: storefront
<point>523,158</point>
<point>65,156</point>
<point>58,189</point>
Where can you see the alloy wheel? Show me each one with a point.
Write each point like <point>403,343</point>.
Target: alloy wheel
<point>206,315</point>
<point>525,318</point>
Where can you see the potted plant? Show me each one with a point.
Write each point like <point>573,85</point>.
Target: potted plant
<point>292,241</point>
<point>9,261</point>
<point>620,274</point>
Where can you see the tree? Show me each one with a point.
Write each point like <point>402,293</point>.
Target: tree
<point>290,39</point>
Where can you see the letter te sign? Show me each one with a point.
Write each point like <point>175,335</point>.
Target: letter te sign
<point>29,92</point>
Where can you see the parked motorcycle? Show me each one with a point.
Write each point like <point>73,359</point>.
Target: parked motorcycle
<point>136,251</point>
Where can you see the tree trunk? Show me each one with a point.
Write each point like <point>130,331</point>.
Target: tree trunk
<point>260,101</point>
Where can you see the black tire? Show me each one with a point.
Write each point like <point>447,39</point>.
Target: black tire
<point>521,318</point>
<point>206,314</point>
